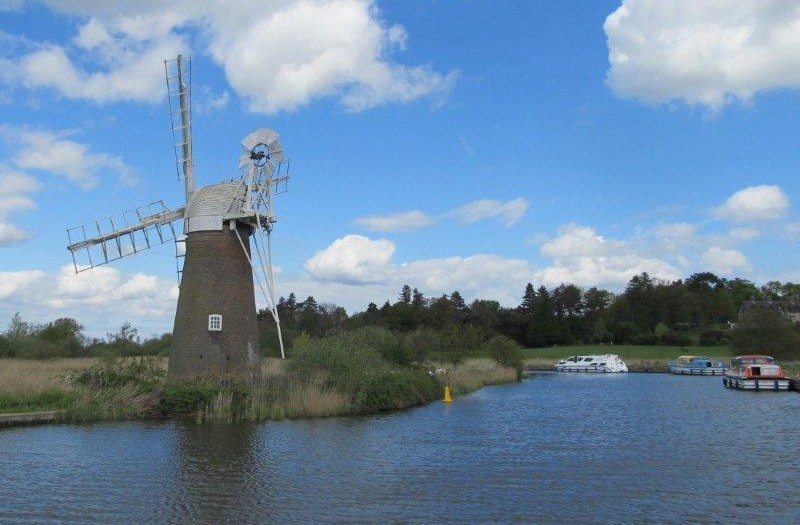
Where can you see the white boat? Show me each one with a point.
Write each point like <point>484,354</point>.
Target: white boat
<point>696,365</point>
<point>605,363</point>
<point>755,372</point>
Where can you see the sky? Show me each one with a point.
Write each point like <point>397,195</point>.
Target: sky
<point>469,145</point>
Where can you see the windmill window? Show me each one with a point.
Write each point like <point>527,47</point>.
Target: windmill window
<point>214,323</point>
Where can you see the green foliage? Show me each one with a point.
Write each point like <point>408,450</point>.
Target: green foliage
<point>766,332</point>
<point>144,372</point>
<point>193,398</point>
<point>422,343</point>
<point>49,399</point>
<point>157,346</point>
<point>301,342</point>
<point>711,337</point>
<point>348,361</point>
<point>676,339</point>
<point>506,352</point>
<point>396,388</point>
<point>364,367</point>
<point>660,330</point>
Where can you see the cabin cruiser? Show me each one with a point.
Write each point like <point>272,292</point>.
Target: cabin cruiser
<point>696,365</point>
<point>755,372</point>
<point>592,363</point>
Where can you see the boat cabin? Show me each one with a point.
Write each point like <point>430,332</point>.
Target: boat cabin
<point>756,367</point>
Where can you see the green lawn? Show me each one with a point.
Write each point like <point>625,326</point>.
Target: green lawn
<point>630,352</point>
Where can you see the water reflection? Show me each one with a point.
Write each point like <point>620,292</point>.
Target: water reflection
<point>212,473</point>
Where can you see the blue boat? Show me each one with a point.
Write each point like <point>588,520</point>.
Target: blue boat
<point>695,365</point>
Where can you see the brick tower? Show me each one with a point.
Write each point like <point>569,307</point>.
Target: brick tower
<point>215,323</point>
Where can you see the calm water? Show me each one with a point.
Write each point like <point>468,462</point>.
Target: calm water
<point>632,448</point>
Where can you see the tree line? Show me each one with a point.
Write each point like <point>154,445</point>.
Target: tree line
<point>700,309</point>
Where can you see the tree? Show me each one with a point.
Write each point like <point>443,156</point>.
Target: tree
<point>458,301</point>
<point>764,331</point>
<point>528,300</point>
<point>405,294</point>
<point>741,290</point>
<point>543,328</point>
<point>486,314</point>
<point>17,328</point>
<point>417,299</point>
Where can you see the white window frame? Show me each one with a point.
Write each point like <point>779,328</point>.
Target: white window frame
<point>215,323</point>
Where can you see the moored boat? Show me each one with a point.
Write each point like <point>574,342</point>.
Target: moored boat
<point>696,365</point>
<point>755,372</point>
<point>605,363</point>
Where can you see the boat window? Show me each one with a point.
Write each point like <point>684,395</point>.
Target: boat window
<point>602,364</point>
<point>756,370</point>
<point>588,359</point>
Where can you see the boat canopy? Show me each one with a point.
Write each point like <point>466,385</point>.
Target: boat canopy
<point>753,359</point>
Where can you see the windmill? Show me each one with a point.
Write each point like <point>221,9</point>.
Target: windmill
<point>215,329</point>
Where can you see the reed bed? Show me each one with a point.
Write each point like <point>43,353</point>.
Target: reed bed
<point>28,376</point>
<point>473,374</point>
<point>91,389</point>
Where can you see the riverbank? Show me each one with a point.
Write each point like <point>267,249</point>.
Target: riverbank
<point>87,389</point>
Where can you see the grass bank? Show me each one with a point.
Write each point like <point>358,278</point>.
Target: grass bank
<point>340,375</point>
<point>637,357</point>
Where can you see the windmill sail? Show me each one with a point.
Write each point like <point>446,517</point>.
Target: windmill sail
<point>179,95</point>
<point>104,240</point>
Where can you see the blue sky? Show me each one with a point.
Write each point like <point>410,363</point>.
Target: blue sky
<point>469,145</point>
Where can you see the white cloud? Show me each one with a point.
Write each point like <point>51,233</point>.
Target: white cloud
<point>725,262</point>
<point>49,151</point>
<point>130,76</point>
<point>352,259</point>
<point>14,189</point>
<point>10,234</point>
<point>676,231</point>
<point>355,270</point>
<point>509,212</point>
<point>277,55</point>
<point>744,233</point>
<point>574,241</point>
<point>101,298</point>
<point>583,257</point>
<point>756,203</point>
<point>395,222</point>
<point>704,53</point>
<point>792,231</point>
<point>12,283</point>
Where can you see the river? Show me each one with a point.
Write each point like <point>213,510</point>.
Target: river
<point>626,448</point>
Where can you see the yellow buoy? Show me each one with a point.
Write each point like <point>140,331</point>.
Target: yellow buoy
<point>447,398</point>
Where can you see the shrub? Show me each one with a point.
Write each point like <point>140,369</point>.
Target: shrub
<point>676,339</point>
<point>422,343</point>
<point>644,338</point>
<point>764,332</point>
<point>197,398</point>
<point>396,388</point>
<point>710,338</point>
<point>506,352</point>
<point>144,372</point>
<point>347,360</point>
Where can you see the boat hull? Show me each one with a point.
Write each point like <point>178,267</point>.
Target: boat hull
<point>754,384</point>
<point>588,368</point>
<point>697,371</point>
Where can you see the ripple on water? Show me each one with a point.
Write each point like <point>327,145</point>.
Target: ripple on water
<point>633,448</point>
